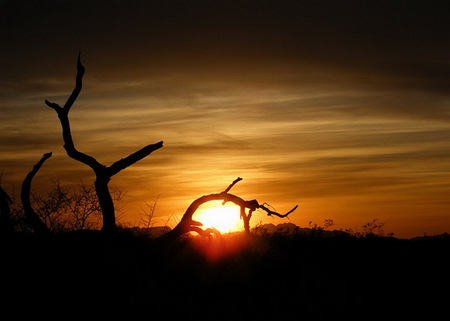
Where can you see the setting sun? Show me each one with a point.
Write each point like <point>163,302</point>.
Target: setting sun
<point>225,218</point>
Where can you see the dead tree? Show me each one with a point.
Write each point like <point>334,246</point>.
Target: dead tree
<point>32,218</point>
<point>6,225</point>
<point>187,224</point>
<point>103,173</point>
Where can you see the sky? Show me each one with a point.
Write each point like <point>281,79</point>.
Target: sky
<point>341,107</point>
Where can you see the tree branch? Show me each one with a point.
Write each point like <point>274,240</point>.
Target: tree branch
<point>133,158</point>
<point>188,224</point>
<point>63,115</point>
<point>33,219</point>
<point>55,106</point>
<point>208,232</point>
<point>78,85</point>
<point>232,184</point>
<point>70,147</point>
<point>270,212</point>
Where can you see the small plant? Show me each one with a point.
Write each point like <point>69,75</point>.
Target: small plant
<point>371,229</point>
<point>317,230</point>
<point>374,228</point>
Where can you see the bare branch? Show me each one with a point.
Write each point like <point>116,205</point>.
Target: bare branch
<point>76,91</point>
<point>70,147</point>
<point>53,105</point>
<point>33,219</point>
<point>208,232</point>
<point>232,184</point>
<point>78,85</point>
<point>188,224</point>
<point>270,212</point>
<point>63,115</point>
<point>133,158</point>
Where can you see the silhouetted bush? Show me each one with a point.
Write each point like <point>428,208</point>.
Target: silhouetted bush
<point>65,208</point>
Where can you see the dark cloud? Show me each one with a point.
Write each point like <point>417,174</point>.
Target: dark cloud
<point>351,33</point>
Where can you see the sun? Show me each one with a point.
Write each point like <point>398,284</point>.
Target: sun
<point>225,218</point>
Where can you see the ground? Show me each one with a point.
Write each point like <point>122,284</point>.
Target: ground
<point>263,276</point>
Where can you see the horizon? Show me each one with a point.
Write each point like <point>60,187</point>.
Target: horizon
<point>343,110</point>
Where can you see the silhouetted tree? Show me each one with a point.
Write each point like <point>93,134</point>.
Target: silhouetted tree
<point>32,218</point>
<point>187,224</point>
<point>6,225</point>
<point>102,172</point>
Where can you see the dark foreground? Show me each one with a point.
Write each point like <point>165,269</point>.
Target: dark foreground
<point>273,276</point>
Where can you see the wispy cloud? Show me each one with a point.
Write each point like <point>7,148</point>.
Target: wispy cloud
<point>343,109</point>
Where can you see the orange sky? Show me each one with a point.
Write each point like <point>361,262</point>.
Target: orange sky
<point>341,110</point>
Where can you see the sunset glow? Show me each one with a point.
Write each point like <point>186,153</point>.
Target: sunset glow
<point>225,218</point>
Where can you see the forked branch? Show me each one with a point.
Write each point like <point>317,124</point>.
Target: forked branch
<point>270,212</point>
<point>76,91</point>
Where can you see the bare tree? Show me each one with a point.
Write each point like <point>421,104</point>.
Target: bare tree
<point>146,217</point>
<point>51,208</point>
<point>103,173</point>
<point>65,208</point>
<point>187,224</point>
<point>32,218</point>
<point>84,211</point>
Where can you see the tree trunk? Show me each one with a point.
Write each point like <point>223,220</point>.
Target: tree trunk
<point>246,220</point>
<point>106,204</point>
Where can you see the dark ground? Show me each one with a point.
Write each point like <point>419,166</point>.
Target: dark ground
<point>273,276</point>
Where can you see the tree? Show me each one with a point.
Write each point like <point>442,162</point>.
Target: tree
<point>32,218</point>
<point>103,173</point>
<point>65,208</point>
<point>187,224</point>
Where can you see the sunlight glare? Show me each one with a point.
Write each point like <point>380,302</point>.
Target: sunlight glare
<point>225,218</point>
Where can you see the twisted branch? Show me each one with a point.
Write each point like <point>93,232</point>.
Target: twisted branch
<point>187,224</point>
